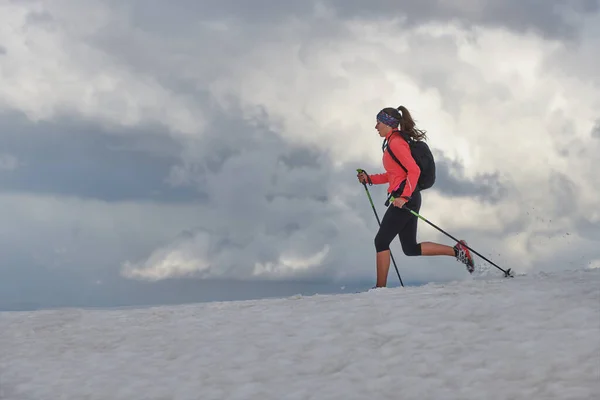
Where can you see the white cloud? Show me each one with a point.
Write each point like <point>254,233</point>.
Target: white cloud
<point>196,256</point>
<point>182,258</point>
<point>52,68</point>
<point>290,264</point>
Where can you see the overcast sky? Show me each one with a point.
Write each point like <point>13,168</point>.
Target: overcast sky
<point>217,141</point>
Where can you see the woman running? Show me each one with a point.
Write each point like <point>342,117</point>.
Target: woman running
<point>402,186</point>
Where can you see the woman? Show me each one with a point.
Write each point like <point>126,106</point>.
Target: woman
<point>401,185</point>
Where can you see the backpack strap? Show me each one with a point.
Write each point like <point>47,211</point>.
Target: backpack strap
<point>386,146</point>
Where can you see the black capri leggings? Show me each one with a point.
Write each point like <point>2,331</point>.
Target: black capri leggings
<point>398,221</point>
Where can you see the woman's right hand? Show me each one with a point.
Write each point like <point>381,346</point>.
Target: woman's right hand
<point>362,177</point>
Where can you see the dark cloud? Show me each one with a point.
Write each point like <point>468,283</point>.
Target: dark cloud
<point>202,40</point>
<point>301,158</point>
<point>184,13</point>
<point>596,130</point>
<point>551,18</point>
<point>587,228</point>
<point>450,180</point>
<point>78,158</point>
<point>39,18</point>
<point>564,194</point>
<point>235,152</point>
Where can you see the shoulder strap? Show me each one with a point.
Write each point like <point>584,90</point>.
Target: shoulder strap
<point>389,149</point>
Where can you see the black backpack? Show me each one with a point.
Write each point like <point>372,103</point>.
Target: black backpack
<point>423,157</point>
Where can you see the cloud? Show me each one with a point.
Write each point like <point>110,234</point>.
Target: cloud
<point>205,255</point>
<point>79,158</point>
<point>50,70</point>
<point>551,18</point>
<point>450,177</point>
<point>271,212</point>
<point>184,257</point>
<point>8,162</point>
<point>596,130</point>
<point>172,143</point>
<point>84,237</point>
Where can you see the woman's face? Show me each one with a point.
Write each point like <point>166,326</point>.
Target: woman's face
<point>382,128</point>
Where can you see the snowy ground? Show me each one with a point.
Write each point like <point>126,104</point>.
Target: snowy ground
<point>532,337</point>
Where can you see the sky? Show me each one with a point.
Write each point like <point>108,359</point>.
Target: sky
<point>211,147</point>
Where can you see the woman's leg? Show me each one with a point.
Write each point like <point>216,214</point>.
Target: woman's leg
<point>383,267</point>
<point>459,251</point>
<point>436,249</point>
<point>393,222</point>
<point>408,236</point>
<point>397,221</point>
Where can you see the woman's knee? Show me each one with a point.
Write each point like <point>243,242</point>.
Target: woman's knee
<point>381,243</point>
<point>412,250</point>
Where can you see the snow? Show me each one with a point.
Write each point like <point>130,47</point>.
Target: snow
<point>529,337</point>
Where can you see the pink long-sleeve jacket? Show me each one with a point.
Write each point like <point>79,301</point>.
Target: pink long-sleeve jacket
<point>394,174</point>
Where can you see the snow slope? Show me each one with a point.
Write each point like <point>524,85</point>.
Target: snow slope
<point>531,337</point>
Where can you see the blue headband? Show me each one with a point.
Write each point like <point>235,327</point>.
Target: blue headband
<point>387,119</point>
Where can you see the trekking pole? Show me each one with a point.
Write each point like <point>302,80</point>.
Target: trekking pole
<point>507,273</point>
<point>376,216</point>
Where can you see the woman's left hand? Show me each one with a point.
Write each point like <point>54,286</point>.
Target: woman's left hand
<point>399,202</point>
